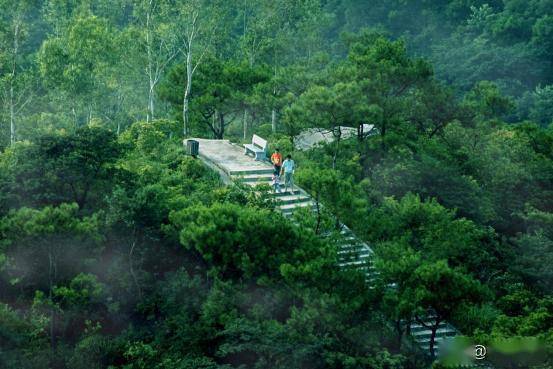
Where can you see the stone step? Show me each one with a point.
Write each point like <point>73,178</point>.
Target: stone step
<point>367,268</point>
<point>361,257</point>
<point>280,194</point>
<point>350,244</point>
<point>350,238</point>
<point>356,255</point>
<point>353,263</point>
<point>419,327</point>
<point>426,340</point>
<point>255,178</point>
<point>425,345</point>
<point>353,250</point>
<point>255,184</point>
<point>286,199</point>
<point>422,335</point>
<point>353,244</point>
<point>263,171</point>
<point>430,320</point>
<point>276,194</point>
<point>437,342</point>
<point>289,208</point>
<point>358,249</point>
<point>442,331</point>
<point>347,232</point>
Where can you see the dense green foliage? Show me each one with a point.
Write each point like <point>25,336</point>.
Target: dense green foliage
<point>119,251</point>
<point>166,268</point>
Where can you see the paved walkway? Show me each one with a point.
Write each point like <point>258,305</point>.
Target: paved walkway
<point>229,157</point>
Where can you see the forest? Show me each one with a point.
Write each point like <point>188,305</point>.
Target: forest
<point>118,250</point>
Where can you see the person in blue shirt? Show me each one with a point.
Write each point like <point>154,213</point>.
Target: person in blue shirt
<point>288,168</point>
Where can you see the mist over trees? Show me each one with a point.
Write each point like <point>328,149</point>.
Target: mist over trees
<point>117,250</point>
<point>70,62</point>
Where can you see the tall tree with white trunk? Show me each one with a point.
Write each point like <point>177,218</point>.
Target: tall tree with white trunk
<point>15,76</point>
<point>198,24</point>
<point>158,44</point>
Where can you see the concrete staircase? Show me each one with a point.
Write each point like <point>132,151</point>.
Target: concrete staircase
<point>353,253</point>
<point>421,334</point>
<point>287,202</point>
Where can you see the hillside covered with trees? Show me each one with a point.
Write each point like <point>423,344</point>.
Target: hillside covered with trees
<point>118,250</point>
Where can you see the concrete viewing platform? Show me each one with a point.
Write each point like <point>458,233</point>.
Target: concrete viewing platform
<point>229,157</point>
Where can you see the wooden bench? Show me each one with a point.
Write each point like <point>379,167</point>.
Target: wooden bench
<point>258,147</point>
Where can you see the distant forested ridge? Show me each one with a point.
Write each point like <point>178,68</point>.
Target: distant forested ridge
<point>118,250</point>
<point>507,42</point>
<point>64,63</point>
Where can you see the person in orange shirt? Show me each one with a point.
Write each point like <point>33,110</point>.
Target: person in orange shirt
<point>276,159</point>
